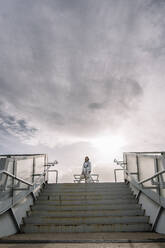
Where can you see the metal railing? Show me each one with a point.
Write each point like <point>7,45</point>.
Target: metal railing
<point>156,175</point>
<point>151,178</point>
<point>56,171</point>
<point>136,167</point>
<point>22,177</point>
<point>123,165</point>
<point>20,180</point>
<point>14,177</point>
<point>17,182</point>
<point>94,178</point>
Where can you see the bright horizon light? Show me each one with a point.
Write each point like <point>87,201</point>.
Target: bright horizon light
<point>108,146</point>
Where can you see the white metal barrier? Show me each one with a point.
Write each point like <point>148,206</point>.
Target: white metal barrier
<point>145,174</point>
<point>94,178</point>
<point>22,177</point>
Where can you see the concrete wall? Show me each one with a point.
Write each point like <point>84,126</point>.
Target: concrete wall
<point>10,225</point>
<point>12,213</point>
<point>151,209</point>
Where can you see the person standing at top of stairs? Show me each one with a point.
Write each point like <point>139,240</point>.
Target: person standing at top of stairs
<point>86,170</point>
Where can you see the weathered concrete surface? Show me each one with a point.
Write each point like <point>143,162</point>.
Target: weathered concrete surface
<point>71,199</point>
<point>117,245</point>
<point>87,236</point>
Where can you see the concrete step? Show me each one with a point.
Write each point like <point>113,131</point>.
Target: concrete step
<point>44,220</point>
<point>76,190</point>
<point>95,207</point>
<point>131,227</point>
<point>85,185</point>
<point>85,202</point>
<point>86,188</point>
<point>86,213</point>
<point>81,207</point>
<point>97,184</point>
<point>84,197</point>
<point>86,194</point>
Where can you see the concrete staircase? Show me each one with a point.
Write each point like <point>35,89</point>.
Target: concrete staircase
<point>95,207</point>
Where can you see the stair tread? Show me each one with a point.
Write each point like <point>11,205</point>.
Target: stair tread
<point>90,207</point>
<point>64,213</point>
<point>85,202</point>
<point>86,194</point>
<point>133,227</point>
<point>85,220</point>
<point>100,207</point>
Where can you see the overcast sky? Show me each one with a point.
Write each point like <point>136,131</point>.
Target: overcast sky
<point>82,77</point>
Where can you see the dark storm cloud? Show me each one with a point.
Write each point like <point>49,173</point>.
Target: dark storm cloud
<point>9,125</point>
<point>96,105</point>
<point>119,94</point>
<point>70,66</point>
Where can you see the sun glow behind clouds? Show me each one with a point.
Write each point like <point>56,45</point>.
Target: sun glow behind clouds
<point>108,146</point>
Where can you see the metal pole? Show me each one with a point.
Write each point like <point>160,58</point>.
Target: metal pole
<point>156,171</point>
<point>34,164</point>
<point>115,175</point>
<point>13,181</point>
<point>137,164</point>
<point>56,176</point>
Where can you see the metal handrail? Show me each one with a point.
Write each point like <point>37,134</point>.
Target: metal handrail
<point>26,182</point>
<point>77,177</point>
<point>155,197</point>
<point>150,178</point>
<point>56,174</point>
<point>52,164</point>
<point>115,173</point>
<point>32,186</point>
<point>40,175</point>
<point>15,177</point>
<point>121,163</point>
<point>135,173</point>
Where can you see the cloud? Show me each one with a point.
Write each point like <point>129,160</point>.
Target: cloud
<point>96,105</point>
<point>72,70</point>
<point>62,65</point>
<point>10,125</point>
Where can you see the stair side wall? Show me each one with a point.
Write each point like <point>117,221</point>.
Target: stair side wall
<point>11,220</point>
<point>157,218</point>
